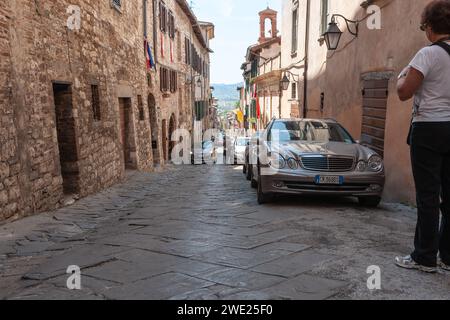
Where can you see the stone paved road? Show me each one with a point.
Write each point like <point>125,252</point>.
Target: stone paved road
<point>198,233</point>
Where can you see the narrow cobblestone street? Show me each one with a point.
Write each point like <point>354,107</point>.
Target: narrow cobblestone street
<point>196,232</point>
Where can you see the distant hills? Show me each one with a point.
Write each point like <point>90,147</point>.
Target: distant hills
<point>227,95</point>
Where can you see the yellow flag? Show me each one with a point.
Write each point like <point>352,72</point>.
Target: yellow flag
<point>240,116</point>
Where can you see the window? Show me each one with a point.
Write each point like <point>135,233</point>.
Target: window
<point>96,102</point>
<point>324,9</point>
<point>162,17</point>
<point>187,51</point>
<point>173,81</point>
<point>171,25</point>
<point>294,30</point>
<point>140,108</point>
<point>164,79</point>
<point>168,80</point>
<point>294,90</point>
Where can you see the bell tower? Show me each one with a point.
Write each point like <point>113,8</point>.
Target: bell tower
<point>271,15</point>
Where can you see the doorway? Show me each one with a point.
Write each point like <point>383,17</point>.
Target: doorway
<point>65,127</point>
<point>164,139</point>
<point>375,95</point>
<point>126,132</point>
<point>154,128</point>
<point>172,128</point>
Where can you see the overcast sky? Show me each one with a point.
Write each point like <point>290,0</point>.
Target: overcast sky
<point>237,27</point>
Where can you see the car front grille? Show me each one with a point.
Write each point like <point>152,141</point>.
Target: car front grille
<point>311,187</point>
<point>328,163</point>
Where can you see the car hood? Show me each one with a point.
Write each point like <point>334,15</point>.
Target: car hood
<point>297,149</point>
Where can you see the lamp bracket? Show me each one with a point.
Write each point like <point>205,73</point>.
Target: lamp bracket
<point>347,22</point>
<point>290,74</point>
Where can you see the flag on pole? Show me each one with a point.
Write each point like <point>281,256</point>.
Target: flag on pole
<point>148,55</point>
<point>258,108</point>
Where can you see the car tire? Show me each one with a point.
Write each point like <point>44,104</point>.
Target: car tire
<point>371,202</point>
<point>254,183</point>
<point>263,198</point>
<point>248,174</point>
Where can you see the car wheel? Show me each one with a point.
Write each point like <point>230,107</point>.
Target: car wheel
<point>372,202</point>
<point>254,183</point>
<point>248,174</point>
<point>263,198</point>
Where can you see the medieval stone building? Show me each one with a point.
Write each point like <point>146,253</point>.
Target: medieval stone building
<point>80,103</point>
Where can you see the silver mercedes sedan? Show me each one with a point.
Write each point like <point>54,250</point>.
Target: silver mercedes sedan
<point>315,157</point>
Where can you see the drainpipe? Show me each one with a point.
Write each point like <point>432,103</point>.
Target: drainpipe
<point>155,32</point>
<point>305,74</point>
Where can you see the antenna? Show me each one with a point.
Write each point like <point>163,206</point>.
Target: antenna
<point>192,4</point>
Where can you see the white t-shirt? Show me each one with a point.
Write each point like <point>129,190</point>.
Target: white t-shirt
<point>433,97</point>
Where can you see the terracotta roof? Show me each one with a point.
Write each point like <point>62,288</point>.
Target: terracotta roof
<point>194,22</point>
<point>268,10</point>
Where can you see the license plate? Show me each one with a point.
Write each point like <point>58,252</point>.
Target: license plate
<point>337,180</point>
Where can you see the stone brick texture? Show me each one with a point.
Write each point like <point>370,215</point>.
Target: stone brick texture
<point>39,52</point>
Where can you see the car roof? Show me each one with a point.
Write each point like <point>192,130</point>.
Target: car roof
<point>329,120</point>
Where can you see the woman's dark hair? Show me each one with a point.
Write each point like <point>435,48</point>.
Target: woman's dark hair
<point>437,16</point>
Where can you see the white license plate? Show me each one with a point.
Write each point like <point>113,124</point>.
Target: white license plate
<point>337,180</point>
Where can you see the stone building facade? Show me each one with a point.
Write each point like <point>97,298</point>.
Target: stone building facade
<point>356,84</point>
<point>78,106</point>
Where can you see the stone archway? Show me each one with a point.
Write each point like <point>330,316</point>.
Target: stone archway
<point>154,127</point>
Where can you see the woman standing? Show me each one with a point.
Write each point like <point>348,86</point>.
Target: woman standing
<point>427,79</point>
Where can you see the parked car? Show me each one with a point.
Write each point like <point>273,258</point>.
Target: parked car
<point>205,154</point>
<point>247,170</point>
<point>240,146</point>
<point>316,157</point>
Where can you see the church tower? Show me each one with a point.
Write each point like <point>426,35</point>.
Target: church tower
<point>271,15</point>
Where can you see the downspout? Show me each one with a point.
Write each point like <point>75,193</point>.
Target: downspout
<point>155,33</point>
<point>305,74</point>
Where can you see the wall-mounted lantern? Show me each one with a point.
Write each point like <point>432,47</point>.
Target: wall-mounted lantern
<point>333,34</point>
<point>285,82</point>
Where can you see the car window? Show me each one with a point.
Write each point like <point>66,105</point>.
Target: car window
<point>241,142</point>
<point>207,144</point>
<point>311,131</point>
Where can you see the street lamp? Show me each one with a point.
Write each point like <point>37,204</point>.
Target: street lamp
<point>285,82</point>
<point>333,34</point>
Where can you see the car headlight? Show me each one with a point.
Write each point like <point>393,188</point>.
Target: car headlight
<point>361,166</point>
<point>292,163</point>
<point>375,164</point>
<point>277,161</point>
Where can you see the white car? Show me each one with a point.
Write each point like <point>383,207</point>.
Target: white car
<point>240,146</point>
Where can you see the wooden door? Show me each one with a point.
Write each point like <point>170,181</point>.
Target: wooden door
<point>375,96</point>
<point>164,139</point>
<point>124,110</point>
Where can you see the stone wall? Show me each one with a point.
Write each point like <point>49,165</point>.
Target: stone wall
<point>9,164</point>
<point>107,51</point>
<point>53,144</point>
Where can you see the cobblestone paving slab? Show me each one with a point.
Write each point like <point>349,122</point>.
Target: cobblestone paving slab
<point>196,232</point>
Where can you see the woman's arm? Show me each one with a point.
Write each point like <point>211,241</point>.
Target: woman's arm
<point>408,84</point>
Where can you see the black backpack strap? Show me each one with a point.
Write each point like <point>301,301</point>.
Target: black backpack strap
<point>443,45</point>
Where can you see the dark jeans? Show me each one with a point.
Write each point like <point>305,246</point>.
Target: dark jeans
<point>430,154</point>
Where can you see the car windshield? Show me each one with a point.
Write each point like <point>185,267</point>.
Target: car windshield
<point>242,142</point>
<point>310,131</point>
<point>207,144</point>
